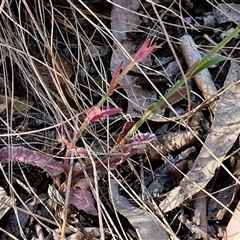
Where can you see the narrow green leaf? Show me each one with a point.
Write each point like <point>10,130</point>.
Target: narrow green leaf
<point>220,45</point>
<point>207,64</point>
<point>174,98</point>
<point>192,69</point>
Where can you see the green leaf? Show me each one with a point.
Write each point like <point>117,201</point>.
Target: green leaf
<point>175,97</point>
<point>207,64</point>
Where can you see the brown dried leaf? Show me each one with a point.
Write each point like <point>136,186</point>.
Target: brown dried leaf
<point>62,66</point>
<point>183,167</point>
<point>83,183</point>
<point>62,70</point>
<point>232,231</point>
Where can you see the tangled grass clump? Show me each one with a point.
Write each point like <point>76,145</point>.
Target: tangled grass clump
<point>60,112</point>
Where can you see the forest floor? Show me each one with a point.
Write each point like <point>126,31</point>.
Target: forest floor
<point>65,171</point>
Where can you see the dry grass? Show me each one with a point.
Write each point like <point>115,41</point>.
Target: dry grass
<point>33,35</point>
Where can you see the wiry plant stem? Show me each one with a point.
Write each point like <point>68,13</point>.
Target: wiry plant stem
<point>206,62</point>
<point>118,80</point>
<point>68,188</point>
<point>73,144</point>
<point>100,104</point>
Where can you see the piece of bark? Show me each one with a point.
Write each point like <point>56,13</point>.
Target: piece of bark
<point>203,79</point>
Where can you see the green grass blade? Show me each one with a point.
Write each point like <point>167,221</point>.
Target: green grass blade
<point>208,64</point>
